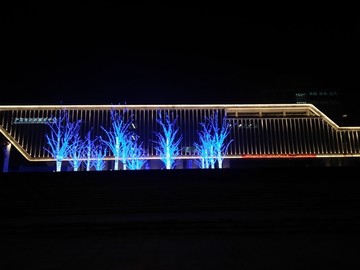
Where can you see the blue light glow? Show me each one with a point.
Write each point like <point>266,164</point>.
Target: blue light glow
<point>212,146</point>
<point>168,141</point>
<point>62,132</point>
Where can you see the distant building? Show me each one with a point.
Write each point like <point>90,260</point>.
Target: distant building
<point>327,100</point>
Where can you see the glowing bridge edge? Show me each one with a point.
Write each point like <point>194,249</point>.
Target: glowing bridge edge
<point>250,108</point>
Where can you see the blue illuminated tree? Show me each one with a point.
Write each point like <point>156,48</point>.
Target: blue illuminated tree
<point>62,131</point>
<point>205,148</point>
<point>168,140</point>
<point>89,146</point>
<point>99,152</point>
<point>213,146</point>
<point>220,133</point>
<point>76,151</point>
<point>117,138</point>
<point>136,155</point>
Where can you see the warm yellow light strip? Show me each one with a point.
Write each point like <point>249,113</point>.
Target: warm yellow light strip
<point>154,106</point>
<point>16,145</point>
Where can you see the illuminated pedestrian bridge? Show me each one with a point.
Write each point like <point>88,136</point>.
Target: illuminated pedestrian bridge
<point>197,135</point>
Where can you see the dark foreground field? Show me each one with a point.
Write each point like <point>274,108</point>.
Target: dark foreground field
<point>255,218</point>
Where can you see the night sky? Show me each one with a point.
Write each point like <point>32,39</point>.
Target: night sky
<point>105,53</point>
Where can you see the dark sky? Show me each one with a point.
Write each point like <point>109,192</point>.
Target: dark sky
<point>105,53</point>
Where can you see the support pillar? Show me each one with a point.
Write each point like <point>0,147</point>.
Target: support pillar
<point>6,149</point>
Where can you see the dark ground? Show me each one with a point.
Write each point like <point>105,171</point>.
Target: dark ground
<point>250,218</point>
